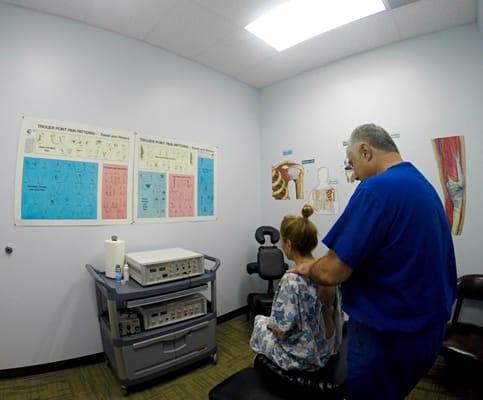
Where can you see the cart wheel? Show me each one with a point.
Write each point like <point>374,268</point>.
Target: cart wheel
<point>214,358</point>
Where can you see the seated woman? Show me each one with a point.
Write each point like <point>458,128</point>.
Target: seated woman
<point>305,325</point>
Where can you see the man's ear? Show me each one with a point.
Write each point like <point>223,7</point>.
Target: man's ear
<point>366,152</point>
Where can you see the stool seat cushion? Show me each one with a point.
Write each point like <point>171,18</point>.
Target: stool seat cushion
<point>268,382</point>
<point>247,384</point>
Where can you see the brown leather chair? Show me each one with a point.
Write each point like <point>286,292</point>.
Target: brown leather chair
<point>464,341</point>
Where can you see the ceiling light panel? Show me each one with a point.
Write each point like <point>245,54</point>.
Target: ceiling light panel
<point>298,20</point>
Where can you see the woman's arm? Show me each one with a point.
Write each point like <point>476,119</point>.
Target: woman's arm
<point>277,332</point>
<point>327,298</point>
<point>327,294</point>
<point>285,308</point>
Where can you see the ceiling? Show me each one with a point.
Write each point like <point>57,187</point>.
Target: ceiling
<point>211,32</point>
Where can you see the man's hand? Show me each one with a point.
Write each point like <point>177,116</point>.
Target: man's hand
<point>302,268</point>
<point>328,270</point>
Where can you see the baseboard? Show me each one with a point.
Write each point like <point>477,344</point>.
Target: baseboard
<point>90,359</point>
<point>231,314</point>
<point>50,367</point>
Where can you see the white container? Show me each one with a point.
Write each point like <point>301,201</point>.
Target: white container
<point>114,255</point>
<point>125,275</point>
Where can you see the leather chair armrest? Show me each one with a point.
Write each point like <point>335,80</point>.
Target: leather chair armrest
<point>252,267</point>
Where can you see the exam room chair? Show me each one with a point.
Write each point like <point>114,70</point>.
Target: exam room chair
<point>464,341</point>
<point>270,266</point>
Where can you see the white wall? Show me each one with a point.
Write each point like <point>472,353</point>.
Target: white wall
<point>480,15</point>
<point>422,88</point>
<point>59,69</point>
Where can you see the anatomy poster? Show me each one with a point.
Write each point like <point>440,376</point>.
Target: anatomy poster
<point>285,175</point>
<point>323,198</point>
<point>181,195</point>
<point>350,176</point>
<point>152,195</point>
<point>68,174</point>
<point>173,181</point>
<point>205,184</point>
<point>450,156</point>
<point>114,191</point>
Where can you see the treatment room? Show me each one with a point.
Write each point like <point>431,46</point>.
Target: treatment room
<point>241,199</point>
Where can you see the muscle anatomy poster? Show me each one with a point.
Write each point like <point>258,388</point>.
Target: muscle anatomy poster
<point>68,174</point>
<point>324,198</point>
<point>282,174</point>
<point>173,181</point>
<point>450,156</point>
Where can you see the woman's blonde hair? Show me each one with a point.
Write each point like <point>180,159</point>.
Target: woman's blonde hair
<point>300,231</point>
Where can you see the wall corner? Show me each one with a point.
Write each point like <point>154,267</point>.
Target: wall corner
<point>480,16</point>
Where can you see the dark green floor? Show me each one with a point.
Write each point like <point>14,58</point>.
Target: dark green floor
<point>96,381</point>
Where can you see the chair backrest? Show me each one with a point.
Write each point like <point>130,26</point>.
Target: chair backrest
<point>270,263</point>
<point>469,287</point>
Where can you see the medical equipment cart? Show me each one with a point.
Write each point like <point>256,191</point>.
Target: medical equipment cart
<point>150,353</point>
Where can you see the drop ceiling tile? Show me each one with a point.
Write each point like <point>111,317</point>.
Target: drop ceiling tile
<point>242,12</point>
<point>133,18</point>
<point>239,51</point>
<point>305,56</point>
<point>398,3</point>
<point>265,74</point>
<point>367,33</point>
<point>428,16</point>
<point>77,10</point>
<point>188,29</point>
<point>371,32</point>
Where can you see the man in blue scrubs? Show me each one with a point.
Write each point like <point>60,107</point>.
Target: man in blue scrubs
<point>393,251</point>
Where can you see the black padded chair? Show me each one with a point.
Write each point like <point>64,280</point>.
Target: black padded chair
<point>266,381</point>
<point>270,266</point>
<point>464,341</point>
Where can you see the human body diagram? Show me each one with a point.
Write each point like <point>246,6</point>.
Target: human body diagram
<point>324,198</point>
<point>450,156</point>
<point>282,174</point>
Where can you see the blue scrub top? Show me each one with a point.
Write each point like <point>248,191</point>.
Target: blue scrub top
<point>395,237</point>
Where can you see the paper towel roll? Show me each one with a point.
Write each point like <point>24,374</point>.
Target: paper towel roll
<point>114,254</point>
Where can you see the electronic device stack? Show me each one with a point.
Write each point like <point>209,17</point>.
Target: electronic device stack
<point>160,319</point>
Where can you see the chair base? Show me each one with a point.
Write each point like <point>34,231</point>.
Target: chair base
<point>464,341</point>
<point>259,303</point>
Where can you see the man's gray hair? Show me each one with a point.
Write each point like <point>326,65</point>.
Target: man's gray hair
<point>376,136</point>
